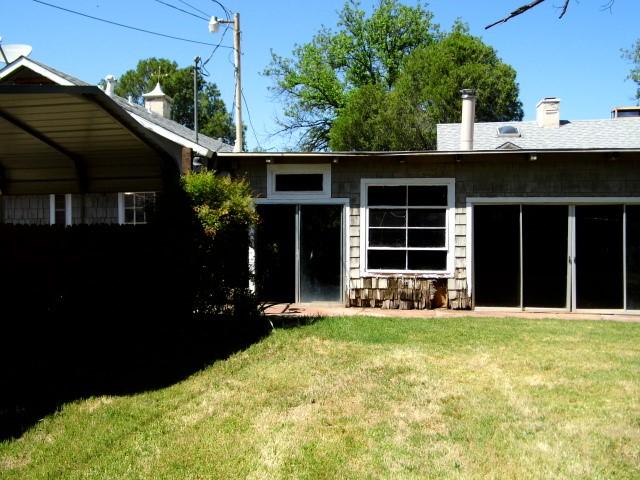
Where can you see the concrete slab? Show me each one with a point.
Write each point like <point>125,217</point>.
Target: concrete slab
<point>332,310</point>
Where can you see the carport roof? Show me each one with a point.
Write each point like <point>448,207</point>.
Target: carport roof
<point>73,139</point>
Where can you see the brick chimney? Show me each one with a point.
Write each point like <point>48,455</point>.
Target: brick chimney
<point>548,112</point>
<point>468,118</point>
<point>156,101</point>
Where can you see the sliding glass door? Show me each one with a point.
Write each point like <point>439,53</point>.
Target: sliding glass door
<point>520,256</point>
<point>598,264</point>
<point>299,253</point>
<point>578,257</point>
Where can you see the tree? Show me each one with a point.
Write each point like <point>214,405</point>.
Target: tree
<point>319,80</point>
<point>633,55</point>
<point>213,118</point>
<point>427,92</point>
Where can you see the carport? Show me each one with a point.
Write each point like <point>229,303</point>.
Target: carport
<point>76,139</point>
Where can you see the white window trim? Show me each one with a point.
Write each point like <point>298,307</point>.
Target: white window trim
<point>273,170</point>
<point>450,225</point>
<point>68,213</point>
<point>121,206</point>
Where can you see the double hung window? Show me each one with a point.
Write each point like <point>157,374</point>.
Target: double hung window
<point>136,208</point>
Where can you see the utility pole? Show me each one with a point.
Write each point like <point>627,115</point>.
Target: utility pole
<point>195,96</point>
<point>213,27</point>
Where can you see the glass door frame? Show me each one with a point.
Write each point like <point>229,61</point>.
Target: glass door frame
<point>572,203</point>
<point>344,237</point>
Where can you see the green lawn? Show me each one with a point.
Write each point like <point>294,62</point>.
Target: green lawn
<point>370,398</point>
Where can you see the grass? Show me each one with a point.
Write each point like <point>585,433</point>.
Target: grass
<point>370,398</point>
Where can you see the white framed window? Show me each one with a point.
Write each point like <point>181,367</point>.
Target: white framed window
<point>407,226</point>
<point>136,208</point>
<point>60,209</point>
<point>298,180</point>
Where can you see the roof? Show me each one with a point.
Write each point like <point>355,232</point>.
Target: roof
<point>615,133</point>
<point>55,76</point>
<point>165,127</point>
<point>74,139</point>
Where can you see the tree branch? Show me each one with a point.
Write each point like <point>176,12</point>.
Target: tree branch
<point>520,11</point>
<point>529,6</point>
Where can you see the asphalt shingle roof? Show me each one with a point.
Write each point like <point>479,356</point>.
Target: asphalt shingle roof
<point>579,134</point>
<point>213,144</point>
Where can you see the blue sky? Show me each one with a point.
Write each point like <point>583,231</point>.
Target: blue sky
<point>576,58</point>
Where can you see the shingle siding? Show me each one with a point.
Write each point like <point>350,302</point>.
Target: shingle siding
<point>553,175</point>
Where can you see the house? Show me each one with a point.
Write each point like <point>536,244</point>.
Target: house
<point>537,226</point>
<point>71,153</point>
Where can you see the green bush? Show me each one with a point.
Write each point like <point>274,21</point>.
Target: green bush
<point>220,203</point>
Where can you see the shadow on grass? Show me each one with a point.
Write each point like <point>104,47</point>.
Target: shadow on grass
<point>293,321</point>
<point>56,360</point>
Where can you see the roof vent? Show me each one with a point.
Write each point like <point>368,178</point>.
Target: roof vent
<point>625,112</point>
<point>110,85</point>
<point>508,131</point>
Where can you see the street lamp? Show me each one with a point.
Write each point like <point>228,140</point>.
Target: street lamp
<point>214,24</point>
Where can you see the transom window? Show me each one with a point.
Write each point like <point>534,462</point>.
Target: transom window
<point>136,208</point>
<point>407,225</point>
<point>298,180</point>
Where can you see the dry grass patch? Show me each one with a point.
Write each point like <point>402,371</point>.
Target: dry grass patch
<point>370,398</point>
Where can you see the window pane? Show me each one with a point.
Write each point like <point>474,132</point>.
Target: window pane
<point>140,215</point>
<point>383,195</point>
<point>544,255</point>
<point>427,260</point>
<point>387,218</point>
<point>427,218</point>
<point>387,237</point>
<point>598,263</point>
<point>299,182</point>
<point>128,215</point>
<point>60,202</point>
<point>427,238</point>
<point>428,196</point>
<point>60,217</point>
<point>386,259</point>
<point>496,243</point>
<point>633,257</point>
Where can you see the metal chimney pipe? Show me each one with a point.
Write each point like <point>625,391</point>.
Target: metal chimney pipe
<point>468,118</point>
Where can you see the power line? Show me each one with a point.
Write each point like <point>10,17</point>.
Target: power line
<point>250,121</point>
<point>194,8</point>
<point>128,26</point>
<point>214,50</point>
<point>181,10</point>
<point>227,12</point>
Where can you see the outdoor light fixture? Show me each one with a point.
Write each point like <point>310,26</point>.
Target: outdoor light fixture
<point>197,165</point>
<point>533,157</point>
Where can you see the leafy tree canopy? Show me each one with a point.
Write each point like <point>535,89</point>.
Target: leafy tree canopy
<point>213,118</point>
<point>383,82</point>
<point>316,83</point>
<point>427,92</point>
<point>633,55</point>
